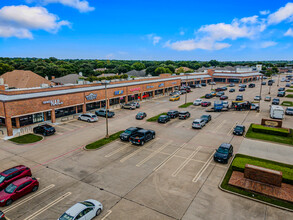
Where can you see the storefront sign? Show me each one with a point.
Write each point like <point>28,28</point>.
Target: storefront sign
<point>53,102</point>
<point>271,122</point>
<point>119,92</point>
<point>91,96</point>
<point>135,89</point>
<point>162,84</point>
<point>174,82</point>
<point>149,87</point>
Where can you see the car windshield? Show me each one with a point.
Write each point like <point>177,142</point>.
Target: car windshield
<point>195,122</point>
<point>238,128</point>
<point>10,189</point>
<point>140,114</point>
<point>222,150</point>
<point>204,116</point>
<point>87,203</point>
<point>127,131</point>
<point>65,216</point>
<point>2,178</point>
<point>288,109</point>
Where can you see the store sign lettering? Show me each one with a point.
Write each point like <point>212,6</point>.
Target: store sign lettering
<point>162,84</point>
<point>174,82</point>
<point>53,102</point>
<point>91,96</point>
<point>134,89</point>
<point>149,87</point>
<point>119,92</point>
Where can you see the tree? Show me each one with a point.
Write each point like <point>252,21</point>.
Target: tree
<point>150,70</point>
<point>123,68</point>
<point>4,68</point>
<point>138,66</point>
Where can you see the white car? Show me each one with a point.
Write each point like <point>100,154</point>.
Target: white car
<point>225,104</point>
<point>88,117</point>
<point>198,123</point>
<point>197,102</point>
<point>86,210</point>
<point>257,98</point>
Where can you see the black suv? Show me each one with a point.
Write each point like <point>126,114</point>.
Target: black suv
<point>208,96</point>
<point>142,136</point>
<point>281,94</point>
<point>184,115</point>
<point>128,132</point>
<point>223,153</point>
<point>251,85</point>
<point>239,98</point>
<point>163,119</point>
<point>44,130</point>
<point>173,114</point>
<point>140,115</point>
<point>239,130</point>
<point>206,118</point>
<point>281,89</point>
<point>276,101</point>
<point>102,113</point>
<point>203,84</point>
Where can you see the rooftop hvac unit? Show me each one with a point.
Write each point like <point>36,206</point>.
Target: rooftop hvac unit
<point>44,85</point>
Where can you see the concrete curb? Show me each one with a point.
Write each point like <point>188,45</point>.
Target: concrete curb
<point>247,197</point>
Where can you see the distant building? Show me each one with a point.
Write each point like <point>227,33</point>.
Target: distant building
<point>136,73</point>
<point>68,79</point>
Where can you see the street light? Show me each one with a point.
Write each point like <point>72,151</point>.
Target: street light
<point>186,89</point>
<point>270,88</point>
<point>279,79</point>
<point>260,93</point>
<point>105,83</point>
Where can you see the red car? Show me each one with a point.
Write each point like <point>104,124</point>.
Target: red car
<point>17,189</point>
<point>12,174</point>
<point>205,104</point>
<point>224,97</point>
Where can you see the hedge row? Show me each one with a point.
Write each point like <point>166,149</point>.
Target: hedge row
<point>269,130</point>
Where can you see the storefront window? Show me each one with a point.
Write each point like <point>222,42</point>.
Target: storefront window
<point>133,97</point>
<point>64,112</point>
<point>114,101</point>
<point>93,105</point>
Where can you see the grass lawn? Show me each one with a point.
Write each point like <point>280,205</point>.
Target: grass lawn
<point>289,96</point>
<point>26,139</point>
<point>202,97</point>
<point>258,162</point>
<point>186,105</point>
<point>289,90</point>
<point>287,103</point>
<point>269,137</point>
<point>104,141</point>
<point>155,118</point>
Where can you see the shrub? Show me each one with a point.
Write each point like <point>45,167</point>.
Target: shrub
<point>155,118</point>
<point>186,105</point>
<point>104,141</point>
<point>270,130</point>
<point>289,96</point>
<point>287,103</point>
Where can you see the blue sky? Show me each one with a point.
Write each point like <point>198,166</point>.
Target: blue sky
<point>147,30</point>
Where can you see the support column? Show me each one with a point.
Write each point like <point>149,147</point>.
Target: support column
<point>108,103</point>
<point>45,116</point>
<point>17,123</point>
<point>153,94</point>
<point>53,116</point>
<point>84,108</point>
<point>8,125</point>
<point>76,109</point>
<point>141,94</point>
<point>126,99</point>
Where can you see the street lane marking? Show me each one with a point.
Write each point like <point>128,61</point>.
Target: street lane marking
<point>153,153</point>
<point>170,157</point>
<point>28,198</point>
<point>204,167</point>
<point>135,152</point>
<point>186,162</point>
<point>108,213</point>
<point>116,151</point>
<point>220,125</point>
<point>32,216</point>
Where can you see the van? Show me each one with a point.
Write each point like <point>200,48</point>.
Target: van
<point>276,112</point>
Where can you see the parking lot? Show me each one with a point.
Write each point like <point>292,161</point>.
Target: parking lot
<point>171,177</point>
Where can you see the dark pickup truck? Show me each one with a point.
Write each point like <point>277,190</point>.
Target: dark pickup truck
<point>102,113</point>
<point>128,132</point>
<point>142,136</point>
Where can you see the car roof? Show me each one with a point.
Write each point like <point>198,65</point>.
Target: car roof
<point>131,128</point>
<point>163,116</point>
<point>21,181</point>
<point>205,116</point>
<point>225,145</point>
<point>142,131</point>
<point>290,108</point>
<point>12,170</point>
<point>172,111</point>
<point>183,112</point>
<point>197,120</point>
<point>242,126</point>
<point>75,209</point>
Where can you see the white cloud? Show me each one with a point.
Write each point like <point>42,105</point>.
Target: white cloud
<point>18,21</point>
<point>289,32</point>
<point>282,14</point>
<point>265,12</point>
<point>155,39</point>
<point>81,5</point>
<point>267,44</point>
<point>181,33</point>
<point>252,19</point>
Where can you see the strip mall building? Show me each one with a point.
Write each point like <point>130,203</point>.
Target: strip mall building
<point>22,107</point>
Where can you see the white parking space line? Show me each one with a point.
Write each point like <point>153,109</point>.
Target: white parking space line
<point>186,162</point>
<point>135,152</point>
<point>204,167</point>
<point>153,153</point>
<point>169,158</point>
<point>231,130</point>
<point>116,151</point>
<point>32,216</point>
<point>220,125</point>
<point>28,198</point>
<point>108,213</point>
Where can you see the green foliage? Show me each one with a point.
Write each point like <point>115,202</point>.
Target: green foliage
<point>289,96</point>
<point>155,118</point>
<point>287,103</point>
<point>186,105</point>
<point>138,66</point>
<point>104,141</point>
<point>270,130</point>
<point>4,68</point>
<point>26,139</point>
<point>289,90</point>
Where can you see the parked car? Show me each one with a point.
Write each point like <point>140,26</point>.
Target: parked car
<point>175,98</point>
<point>137,105</point>
<point>289,111</point>
<point>142,136</point>
<point>223,153</point>
<point>85,210</point>
<point>239,130</point>
<point>257,98</point>
<point>184,115</point>
<point>197,102</point>
<point>263,83</point>
<point>130,106</point>
<point>268,98</point>
<point>18,189</point>
<point>224,97</point>
<point>205,104</point>
<point>281,89</point>
<point>173,113</point>
<point>231,85</point>
<point>276,101</point>
<point>102,113</point>
<point>208,96</point>
<point>89,117</point>
<point>254,106</point>
<point>281,94</point>
<point>140,115</point>
<point>12,174</point>
<point>44,130</point>
<point>206,118</point>
<point>183,91</point>
<point>224,88</point>
<point>219,94</point>
<point>242,85</point>
<point>213,93</point>
<point>212,83</point>
<point>232,90</point>
<point>225,104</point>
<point>128,132</point>
<point>239,98</point>
<point>219,89</point>
<point>203,84</point>
<point>288,85</point>
<point>198,123</point>
<point>163,119</point>
<point>251,85</point>
<point>241,89</point>
<point>197,86</point>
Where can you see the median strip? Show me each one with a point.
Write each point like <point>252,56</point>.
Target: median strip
<point>155,118</point>
<point>99,143</point>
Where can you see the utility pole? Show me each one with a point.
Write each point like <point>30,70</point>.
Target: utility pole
<point>186,89</point>
<point>106,100</point>
<point>279,79</point>
<point>260,93</point>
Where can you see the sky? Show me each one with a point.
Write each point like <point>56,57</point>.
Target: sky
<point>225,30</point>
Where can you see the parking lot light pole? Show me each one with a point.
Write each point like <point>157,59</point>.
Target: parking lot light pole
<point>279,79</point>
<point>260,94</point>
<point>105,83</point>
<point>270,89</point>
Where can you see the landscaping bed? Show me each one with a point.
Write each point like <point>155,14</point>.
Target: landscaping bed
<point>289,96</point>
<point>104,141</point>
<point>26,139</point>
<point>289,90</point>
<point>238,164</point>
<point>155,118</point>
<point>270,130</point>
<point>287,103</point>
<point>186,105</point>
